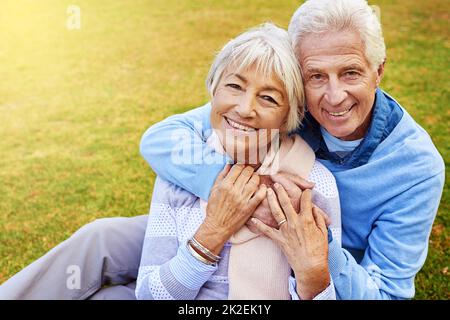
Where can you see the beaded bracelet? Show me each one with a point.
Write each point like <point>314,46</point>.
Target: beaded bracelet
<point>196,255</point>
<point>204,250</point>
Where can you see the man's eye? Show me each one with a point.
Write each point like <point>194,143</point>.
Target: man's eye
<point>234,86</point>
<point>351,74</point>
<point>316,77</point>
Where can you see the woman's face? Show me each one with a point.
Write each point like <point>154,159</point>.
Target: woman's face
<point>249,110</point>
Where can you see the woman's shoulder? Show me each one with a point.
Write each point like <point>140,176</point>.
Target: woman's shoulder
<point>325,183</point>
<point>170,194</point>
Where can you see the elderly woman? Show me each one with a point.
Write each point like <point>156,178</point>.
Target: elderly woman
<point>203,250</point>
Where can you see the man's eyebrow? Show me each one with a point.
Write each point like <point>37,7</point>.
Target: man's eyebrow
<point>313,70</point>
<point>353,67</point>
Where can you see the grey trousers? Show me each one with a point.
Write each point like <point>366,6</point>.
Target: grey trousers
<point>99,261</point>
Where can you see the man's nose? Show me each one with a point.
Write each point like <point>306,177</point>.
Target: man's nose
<point>335,93</point>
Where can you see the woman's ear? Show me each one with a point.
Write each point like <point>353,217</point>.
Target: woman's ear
<point>283,128</point>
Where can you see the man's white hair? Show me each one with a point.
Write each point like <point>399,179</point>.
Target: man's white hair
<point>320,16</point>
<point>269,49</point>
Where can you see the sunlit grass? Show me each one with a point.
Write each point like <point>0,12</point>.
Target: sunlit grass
<point>74,104</point>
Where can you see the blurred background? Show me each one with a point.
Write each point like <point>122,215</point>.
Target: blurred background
<point>81,80</point>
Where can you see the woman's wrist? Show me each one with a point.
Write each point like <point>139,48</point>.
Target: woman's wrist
<point>200,254</point>
<point>210,239</point>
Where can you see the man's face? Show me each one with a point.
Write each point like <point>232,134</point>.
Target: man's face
<point>339,82</point>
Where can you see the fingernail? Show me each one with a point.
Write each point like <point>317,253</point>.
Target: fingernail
<point>276,185</point>
<point>253,220</point>
<point>269,191</point>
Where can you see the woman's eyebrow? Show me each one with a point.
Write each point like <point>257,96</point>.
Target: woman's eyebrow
<point>264,88</point>
<point>271,88</point>
<point>237,75</point>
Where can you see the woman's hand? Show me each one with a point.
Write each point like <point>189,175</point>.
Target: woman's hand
<point>234,197</point>
<point>303,238</point>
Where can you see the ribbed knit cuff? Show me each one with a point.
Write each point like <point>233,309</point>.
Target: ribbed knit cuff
<point>336,259</point>
<point>330,235</point>
<point>190,272</point>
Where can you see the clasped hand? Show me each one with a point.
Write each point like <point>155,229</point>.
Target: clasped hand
<point>297,226</point>
<point>303,238</point>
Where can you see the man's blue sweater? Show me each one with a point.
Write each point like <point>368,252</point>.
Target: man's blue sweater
<point>390,188</point>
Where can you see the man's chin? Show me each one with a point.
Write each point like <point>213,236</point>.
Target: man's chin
<point>340,133</point>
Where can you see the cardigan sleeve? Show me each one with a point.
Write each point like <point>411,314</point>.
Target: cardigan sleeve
<point>167,270</point>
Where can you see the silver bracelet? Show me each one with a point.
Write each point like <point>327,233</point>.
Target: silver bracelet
<point>204,250</point>
<point>196,255</point>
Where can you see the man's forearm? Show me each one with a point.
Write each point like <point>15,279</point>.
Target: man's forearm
<point>351,280</point>
<point>175,148</point>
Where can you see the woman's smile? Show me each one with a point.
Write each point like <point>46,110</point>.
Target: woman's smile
<point>238,127</point>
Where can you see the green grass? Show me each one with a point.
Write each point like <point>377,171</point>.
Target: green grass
<point>74,105</point>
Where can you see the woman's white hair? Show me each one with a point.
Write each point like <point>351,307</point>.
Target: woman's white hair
<point>269,49</point>
<point>320,16</point>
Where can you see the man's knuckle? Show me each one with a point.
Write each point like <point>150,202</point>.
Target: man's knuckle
<point>285,202</point>
<point>248,170</point>
<point>253,183</point>
<point>296,193</point>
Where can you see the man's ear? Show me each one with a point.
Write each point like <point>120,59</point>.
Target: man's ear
<point>380,72</point>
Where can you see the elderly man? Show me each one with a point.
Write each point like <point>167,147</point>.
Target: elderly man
<point>389,175</point>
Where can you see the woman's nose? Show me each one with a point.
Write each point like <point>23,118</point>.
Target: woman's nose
<point>246,107</point>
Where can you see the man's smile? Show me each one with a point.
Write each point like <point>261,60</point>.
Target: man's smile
<point>338,114</point>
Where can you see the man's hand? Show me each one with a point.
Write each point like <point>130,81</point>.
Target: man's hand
<point>293,186</point>
<point>264,214</point>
